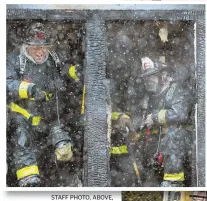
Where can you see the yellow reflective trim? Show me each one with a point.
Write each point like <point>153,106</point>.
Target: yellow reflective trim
<point>72,73</point>
<point>15,108</point>
<point>83,100</point>
<point>23,89</point>
<point>46,98</point>
<point>115,115</point>
<point>174,177</point>
<point>135,168</point>
<point>161,116</point>
<point>36,120</point>
<point>119,150</point>
<point>27,171</point>
<point>50,95</point>
<point>156,131</point>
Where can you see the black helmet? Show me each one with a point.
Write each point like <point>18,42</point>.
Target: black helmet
<point>37,35</point>
<point>149,67</point>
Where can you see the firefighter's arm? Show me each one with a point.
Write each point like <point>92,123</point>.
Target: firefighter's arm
<point>15,88</point>
<point>178,112</point>
<point>12,87</point>
<point>24,90</point>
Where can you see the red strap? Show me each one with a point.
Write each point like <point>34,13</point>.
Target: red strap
<point>160,158</point>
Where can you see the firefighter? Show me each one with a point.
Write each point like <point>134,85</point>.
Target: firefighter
<point>35,99</point>
<point>123,172</point>
<point>166,110</point>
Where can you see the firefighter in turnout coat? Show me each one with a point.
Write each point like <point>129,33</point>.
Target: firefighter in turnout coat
<point>35,103</point>
<point>166,109</point>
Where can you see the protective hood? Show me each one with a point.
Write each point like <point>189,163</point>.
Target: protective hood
<point>23,50</point>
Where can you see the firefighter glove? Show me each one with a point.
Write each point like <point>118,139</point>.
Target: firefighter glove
<point>37,94</point>
<point>124,121</point>
<point>63,151</point>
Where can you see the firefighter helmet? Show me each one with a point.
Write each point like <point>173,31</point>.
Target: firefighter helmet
<point>149,67</point>
<point>37,34</point>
